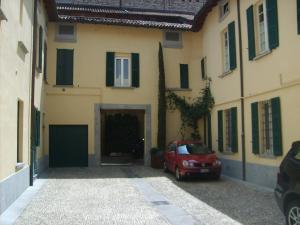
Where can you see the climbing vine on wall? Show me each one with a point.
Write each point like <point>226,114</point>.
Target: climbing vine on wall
<point>192,110</point>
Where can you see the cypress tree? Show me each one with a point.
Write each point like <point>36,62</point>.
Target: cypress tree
<point>161,134</point>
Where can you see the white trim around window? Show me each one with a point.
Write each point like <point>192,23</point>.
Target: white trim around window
<point>122,72</point>
<point>261,27</point>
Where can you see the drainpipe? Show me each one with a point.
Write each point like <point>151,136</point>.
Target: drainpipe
<point>34,47</point>
<point>242,89</point>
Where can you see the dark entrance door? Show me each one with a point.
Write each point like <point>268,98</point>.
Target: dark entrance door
<point>68,146</point>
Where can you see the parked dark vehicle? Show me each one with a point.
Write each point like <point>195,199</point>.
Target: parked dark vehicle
<point>190,158</point>
<point>287,191</point>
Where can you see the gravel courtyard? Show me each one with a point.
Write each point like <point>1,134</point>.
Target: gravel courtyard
<point>141,195</point>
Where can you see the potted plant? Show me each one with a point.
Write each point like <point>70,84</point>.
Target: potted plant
<point>157,158</point>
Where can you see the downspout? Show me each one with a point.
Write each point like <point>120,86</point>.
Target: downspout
<point>34,46</point>
<point>242,89</point>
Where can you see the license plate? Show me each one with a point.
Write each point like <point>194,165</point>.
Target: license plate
<point>204,170</point>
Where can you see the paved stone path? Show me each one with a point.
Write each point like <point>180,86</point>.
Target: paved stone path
<point>141,195</point>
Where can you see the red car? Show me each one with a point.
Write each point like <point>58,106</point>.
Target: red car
<point>187,158</point>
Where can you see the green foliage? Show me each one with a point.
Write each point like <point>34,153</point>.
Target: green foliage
<point>192,110</point>
<point>162,104</point>
<point>156,151</point>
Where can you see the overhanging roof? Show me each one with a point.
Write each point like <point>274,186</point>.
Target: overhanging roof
<point>64,11</point>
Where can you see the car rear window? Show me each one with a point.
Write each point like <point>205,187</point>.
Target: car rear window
<point>193,149</point>
<point>297,155</point>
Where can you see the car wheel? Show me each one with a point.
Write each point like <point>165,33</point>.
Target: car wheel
<point>293,213</point>
<point>165,167</point>
<point>177,174</point>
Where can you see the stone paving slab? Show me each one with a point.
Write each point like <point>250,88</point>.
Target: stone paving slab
<point>141,195</point>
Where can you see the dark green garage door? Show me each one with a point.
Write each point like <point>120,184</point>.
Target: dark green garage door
<point>68,145</point>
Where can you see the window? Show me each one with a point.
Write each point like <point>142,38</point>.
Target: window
<point>203,68</point>
<point>229,48</point>
<point>21,11</point>
<point>224,9</point>
<point>266,127</point>
<point>64,67</point>
<point>261,28</point>
<point>2,15</point>
<point>20,114</point>
<point>297,154</point>
<point>45,61</point>
<point>226,56</point>
<point>184,76</point>
<point>172,39</point>
<point>41,43</point>
<point>227,130</point>
<point>122,72</point>
<point>66,32</point>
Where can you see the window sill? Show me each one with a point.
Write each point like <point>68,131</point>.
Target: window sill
<point>63,86</point>
<point>267,156</point>
<point>228,153</point>
<point>122,88</point>
<point>178,89</point>
<point>263,54</point>
<point>226,74</point>
<point>19,166</point>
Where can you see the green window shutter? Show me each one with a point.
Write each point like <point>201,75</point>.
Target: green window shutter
<point>203,75</point>
<point>40,62</point>
<point>234,135</point>
<point>110,69</point>
<point>232,45</point>
<point>220,131</point>
<point>251,33</point>
<point>135,57</point>
<point>276,122</point>
<point>184,76</point>
<point>209,138</point>
<point>64,67</point>
<point>45,61</point>
<point>37,127</point>
<point>255,128</point>
<point>272,14</point>
<point>298,16</point>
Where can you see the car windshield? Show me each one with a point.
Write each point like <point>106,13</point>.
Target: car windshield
<point>193,149</point>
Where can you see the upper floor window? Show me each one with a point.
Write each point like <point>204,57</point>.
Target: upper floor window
<point>203,68</point>
<point>21,11</point>
<point>226,58</point>
<point>2,15</point>
<point>224,9</point>
<point>172,39</point>
<point>229,48</point>
<point>262,27</point>
<point>66,32</point>
<point>122,72</point>
<point>64,67</point>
